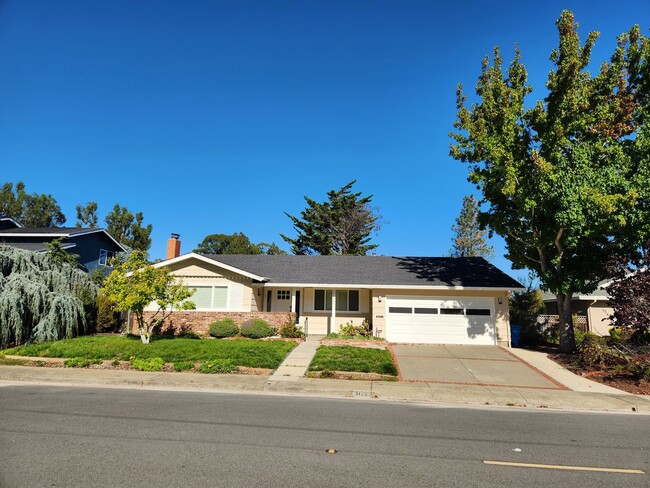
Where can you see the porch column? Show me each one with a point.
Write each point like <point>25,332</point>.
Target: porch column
<point>293,300</point>
<point>333,324</point>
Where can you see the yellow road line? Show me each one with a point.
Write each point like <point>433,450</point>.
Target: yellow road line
<point>567,468</point>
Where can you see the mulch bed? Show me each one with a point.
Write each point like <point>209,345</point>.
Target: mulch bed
<point>349,375</point>
<point>621,380</point>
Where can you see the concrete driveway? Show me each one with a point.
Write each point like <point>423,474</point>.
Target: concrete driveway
<point>468,365</point>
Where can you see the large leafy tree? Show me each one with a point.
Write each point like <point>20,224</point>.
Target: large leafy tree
<point>567,179</point>
<point>87,215</point>
<point>343,224</point>
<point>135,284</point>
<point>470,239</point>
<point>237,243</point>
<point>128,229</point>
<point>30,210</point>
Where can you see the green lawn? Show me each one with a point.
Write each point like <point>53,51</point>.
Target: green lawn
<point>356,359</point>
<point>241,352</point>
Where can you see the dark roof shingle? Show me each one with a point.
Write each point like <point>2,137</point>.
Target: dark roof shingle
<point>372,270</point>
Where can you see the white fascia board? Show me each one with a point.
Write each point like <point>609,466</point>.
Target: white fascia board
<point>213,262</point>
<point>388,287</point>
<point>13,221</point>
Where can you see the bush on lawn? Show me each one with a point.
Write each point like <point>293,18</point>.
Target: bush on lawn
<point>149,364</point>
<point>224,328</point>
<point>256,329</point>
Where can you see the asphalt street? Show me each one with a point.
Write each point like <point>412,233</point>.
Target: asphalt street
<point>86,437</point>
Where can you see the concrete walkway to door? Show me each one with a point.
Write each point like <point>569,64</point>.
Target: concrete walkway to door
<point>468,365</point>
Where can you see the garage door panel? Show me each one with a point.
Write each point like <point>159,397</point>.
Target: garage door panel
<point>435,320</point>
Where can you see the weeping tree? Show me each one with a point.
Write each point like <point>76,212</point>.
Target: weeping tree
<point>42,299</point>
<point>135,285</point>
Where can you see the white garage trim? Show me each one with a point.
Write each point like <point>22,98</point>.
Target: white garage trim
<point>441,320</point>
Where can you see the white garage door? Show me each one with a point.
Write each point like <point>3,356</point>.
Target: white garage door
<point>440,320</point>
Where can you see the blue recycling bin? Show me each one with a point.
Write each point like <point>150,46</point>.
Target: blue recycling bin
<point>515,333</point>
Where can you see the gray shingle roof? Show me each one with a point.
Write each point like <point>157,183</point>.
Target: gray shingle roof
<point>47,230</point>
<point>372,270</point>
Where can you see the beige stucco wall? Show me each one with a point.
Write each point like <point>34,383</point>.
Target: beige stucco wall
<point>320,322</point>
<point>598,315</point>
<point>194,272</point>
<point>501,310</point>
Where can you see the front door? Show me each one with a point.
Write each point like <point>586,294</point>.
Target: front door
<point>297,310</point>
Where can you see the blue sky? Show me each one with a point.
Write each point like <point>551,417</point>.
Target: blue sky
<point>218,117</point>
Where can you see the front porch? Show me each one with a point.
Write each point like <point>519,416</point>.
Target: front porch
<point>319,311</point>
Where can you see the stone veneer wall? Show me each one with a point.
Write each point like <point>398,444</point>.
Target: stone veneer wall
<point>199,322</point>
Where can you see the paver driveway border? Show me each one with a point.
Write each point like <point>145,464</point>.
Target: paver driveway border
<point>466,369</point>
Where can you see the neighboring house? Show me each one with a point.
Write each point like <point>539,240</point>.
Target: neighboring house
<point>591,309</point>
<point>95,247</point>
<point>406,299</point>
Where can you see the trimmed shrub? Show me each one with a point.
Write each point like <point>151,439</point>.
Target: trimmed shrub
<point>256,329</point>
<point>149,364</point>
<point>224,328</point>
<point>217,366</point>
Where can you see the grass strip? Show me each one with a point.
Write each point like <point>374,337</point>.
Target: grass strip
<point>241,352</point>
<point>355,359</point>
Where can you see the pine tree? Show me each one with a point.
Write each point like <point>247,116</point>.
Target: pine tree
<point>470,239</point>
<point>340,225</point>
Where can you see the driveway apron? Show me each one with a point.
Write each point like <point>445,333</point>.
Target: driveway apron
<point>468,365</point>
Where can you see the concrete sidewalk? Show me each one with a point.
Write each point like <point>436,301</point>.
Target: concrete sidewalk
<point>428,393</point>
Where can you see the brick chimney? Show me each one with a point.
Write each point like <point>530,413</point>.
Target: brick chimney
<point>173,247</point>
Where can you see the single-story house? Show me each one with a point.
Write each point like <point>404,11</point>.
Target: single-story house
<point>592,308</point>
<point>406,299</point>
<point>95,247</point>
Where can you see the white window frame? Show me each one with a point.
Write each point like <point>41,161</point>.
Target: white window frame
<point>212,286</point>
<point>105,256</point>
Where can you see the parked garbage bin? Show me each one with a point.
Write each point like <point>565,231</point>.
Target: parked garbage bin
<point>515,332</point>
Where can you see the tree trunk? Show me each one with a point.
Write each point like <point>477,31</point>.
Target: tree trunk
<point>567,338</point>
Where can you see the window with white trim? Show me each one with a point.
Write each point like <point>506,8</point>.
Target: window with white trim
<point>209,297</point>
<point>346,300</point>
<point>284,295</point>
<point>105,257</point>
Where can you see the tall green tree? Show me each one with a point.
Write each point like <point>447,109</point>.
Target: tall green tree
<point>567,180</point>
<point>128,229</point>
<point>87,215</point>
<point>343,224</point>
<point>470,239</point>
<point>237,243</point>
<point>30,210</point>
<point>135,284</point>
